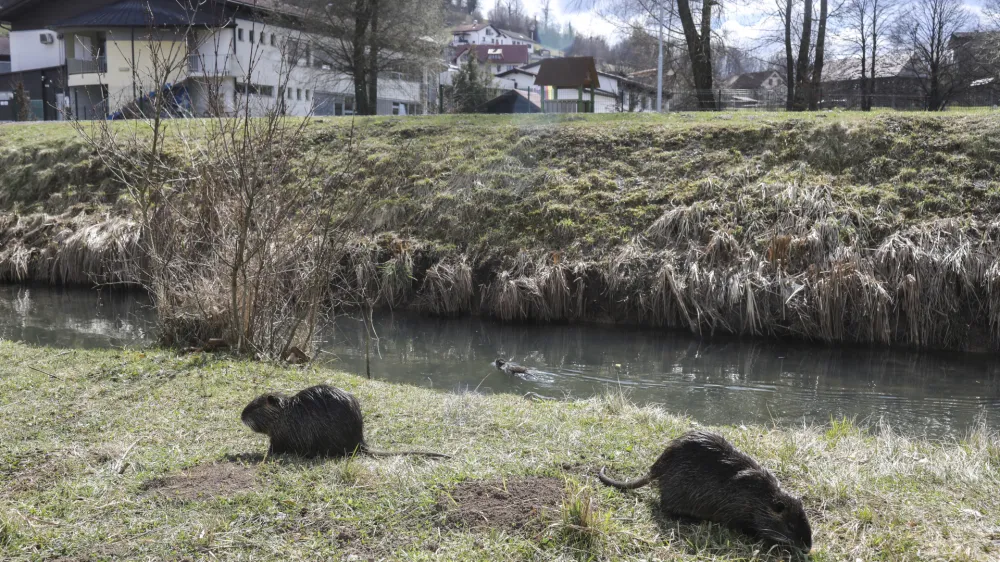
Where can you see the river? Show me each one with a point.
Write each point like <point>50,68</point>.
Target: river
<point>722,381</point>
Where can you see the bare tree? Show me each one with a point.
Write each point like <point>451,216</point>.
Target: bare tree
<point>239,236</point>
<point>699,46</point>
<point>786,21</point>
<point>695,25</point>
<point>817,68</point>
<point>992,13</point>
<point>363,39</point>
<point>866,24</point>
<point>802,81</point>
<point>925,30</point>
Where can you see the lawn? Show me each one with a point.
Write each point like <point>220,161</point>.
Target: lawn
<point>140,454</point>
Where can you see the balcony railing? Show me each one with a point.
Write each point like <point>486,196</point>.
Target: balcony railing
<point>198,64</point>
<point>78,66</point>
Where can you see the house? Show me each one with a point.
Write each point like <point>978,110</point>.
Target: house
<point>613,94</point>
<point>477,34</point>
<point>769,80</point>
<point>516,38</point>
<point>897,82</point>
<point>499,58</point>
<point>105,48</point>
<point>4,55</point>
<point>487,34</point>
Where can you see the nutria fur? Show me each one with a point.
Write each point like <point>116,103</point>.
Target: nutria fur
<point>320,421</point>
<point>702,476</point>
<point>510,368</point>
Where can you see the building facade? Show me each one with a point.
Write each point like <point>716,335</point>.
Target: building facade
<point>115,55</point>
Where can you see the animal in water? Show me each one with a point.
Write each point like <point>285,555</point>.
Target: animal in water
<point>510,368</point>
<point>702,476</point>
<point>320,421</point>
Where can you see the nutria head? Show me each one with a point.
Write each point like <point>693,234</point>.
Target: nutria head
<point>783,520</point>
<point>262,412</point>
<point>499,363</point>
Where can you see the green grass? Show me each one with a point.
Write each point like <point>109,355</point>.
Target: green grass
<point>84,433</point>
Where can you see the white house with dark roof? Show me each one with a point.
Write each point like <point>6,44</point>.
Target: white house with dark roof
<point>105,47</point>
<point>615,93</point>
<point>498,58</point>
<point>477,34</point>
<point>487,34</point>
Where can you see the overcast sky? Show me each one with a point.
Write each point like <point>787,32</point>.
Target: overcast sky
<point>744,22</point>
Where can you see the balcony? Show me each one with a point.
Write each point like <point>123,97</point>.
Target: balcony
<point>97,65</point>
<point>210,65</point>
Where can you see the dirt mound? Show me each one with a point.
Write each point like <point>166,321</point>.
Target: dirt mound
<point>511,505</point>
<point>203,482</point>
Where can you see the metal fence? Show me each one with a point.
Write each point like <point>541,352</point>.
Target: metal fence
<point>775,100</point>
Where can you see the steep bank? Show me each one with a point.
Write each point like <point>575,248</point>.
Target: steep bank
<point>839,227</point>
<point>141,455</point>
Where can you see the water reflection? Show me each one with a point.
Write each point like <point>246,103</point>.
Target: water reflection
<point>725,381</point>
<point>75,317</point>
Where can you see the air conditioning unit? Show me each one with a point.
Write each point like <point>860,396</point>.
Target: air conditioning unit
<point>46,38</point>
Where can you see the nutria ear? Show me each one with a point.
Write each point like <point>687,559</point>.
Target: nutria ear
<point>272,400</point>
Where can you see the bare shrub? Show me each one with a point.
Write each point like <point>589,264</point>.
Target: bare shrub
<point>240,237</point>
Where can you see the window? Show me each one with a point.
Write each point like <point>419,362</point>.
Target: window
<point>251,36</point>
<point>290,93</point>
<point>261,37</point>
<point>298,93</point>
<point>349,106</point>
<point>307,95</point>
<point>255,89</point>
<point>498,68</point>
<point>239,33</point>
<point>274,42</point>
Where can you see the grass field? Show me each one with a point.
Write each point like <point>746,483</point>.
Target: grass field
<point>140,455</point>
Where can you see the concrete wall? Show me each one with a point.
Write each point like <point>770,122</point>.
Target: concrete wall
<point>27,52</point>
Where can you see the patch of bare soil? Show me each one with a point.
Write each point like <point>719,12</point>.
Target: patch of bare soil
<point>35,474</point>
<point>512,505</point>
<point>204,481</point>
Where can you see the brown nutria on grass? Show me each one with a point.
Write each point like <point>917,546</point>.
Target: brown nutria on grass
<point>510,368</point>
<point>702,476</point>
<point>320,421</point>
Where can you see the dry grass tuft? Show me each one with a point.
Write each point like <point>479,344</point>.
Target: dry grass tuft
<point>447,288</point>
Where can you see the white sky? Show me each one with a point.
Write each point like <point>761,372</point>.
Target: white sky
<point>744,22</point>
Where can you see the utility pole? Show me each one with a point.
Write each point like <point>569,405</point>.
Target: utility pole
<point>659,67</point>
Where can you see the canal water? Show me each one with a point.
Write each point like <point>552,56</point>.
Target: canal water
<point>722,381</point>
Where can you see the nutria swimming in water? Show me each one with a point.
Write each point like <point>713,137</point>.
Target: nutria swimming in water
<point>321,420</point>
<point>702,476</point>
<point>510,368</point>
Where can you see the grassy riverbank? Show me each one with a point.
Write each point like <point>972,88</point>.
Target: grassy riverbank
<point>830,226</point>
<point>141,455</point>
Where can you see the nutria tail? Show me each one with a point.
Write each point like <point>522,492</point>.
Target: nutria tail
<point>629,485</point>
<point>375,453</point>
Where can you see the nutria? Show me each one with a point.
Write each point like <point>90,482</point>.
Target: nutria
<point>510,368</point>
<point>702,476</point>
<point>321,420</point>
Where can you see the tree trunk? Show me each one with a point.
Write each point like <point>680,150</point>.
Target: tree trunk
<point>864,78</point>
<point>789,58</point>
<point>802,65</point>
<point>874,56</point>
<point>359,60</point>
<point>373,59</point>
<point>817,73</point>
<point>699,50</point>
